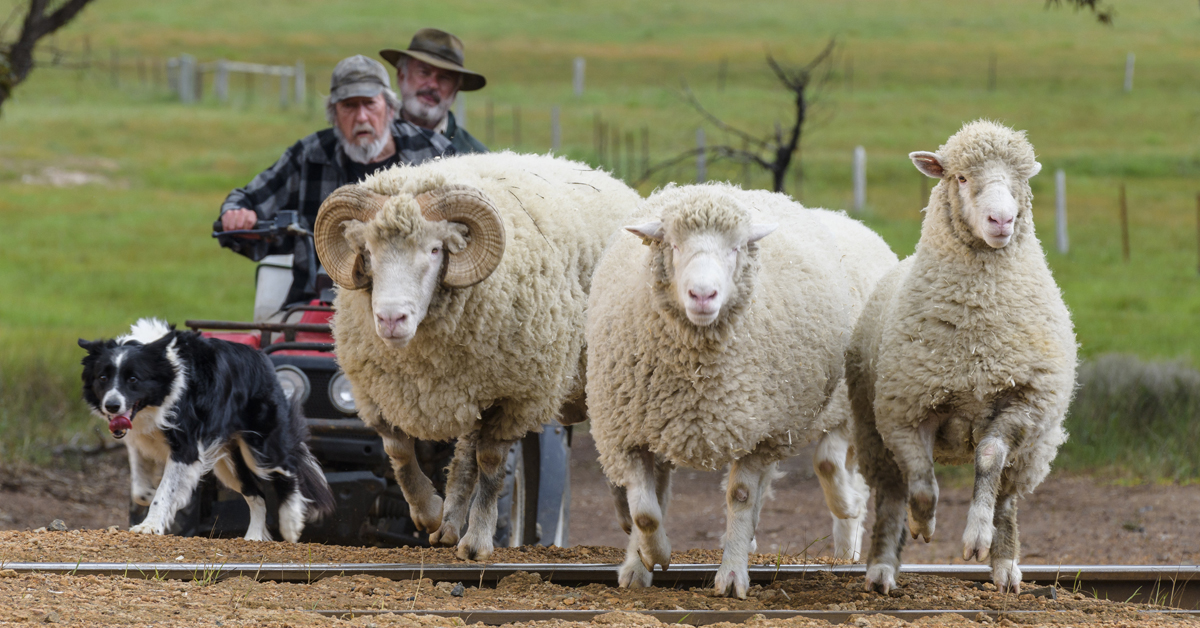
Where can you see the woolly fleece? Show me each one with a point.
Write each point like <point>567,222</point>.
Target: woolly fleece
<point>515,340</point>
<point>960,329</point>
<point>757,378</point>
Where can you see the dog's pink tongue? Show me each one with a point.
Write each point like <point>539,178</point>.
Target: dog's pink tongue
<point>119,424</point>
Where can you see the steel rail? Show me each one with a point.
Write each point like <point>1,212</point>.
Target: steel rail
<point>1176,586</point>
<point>705,617</point>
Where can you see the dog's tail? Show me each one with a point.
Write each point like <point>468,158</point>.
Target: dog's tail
<point>310,477</point>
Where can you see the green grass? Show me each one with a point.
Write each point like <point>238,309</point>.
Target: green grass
<point>86,261</point>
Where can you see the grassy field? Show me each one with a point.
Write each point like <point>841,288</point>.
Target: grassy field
<point>85,261</point>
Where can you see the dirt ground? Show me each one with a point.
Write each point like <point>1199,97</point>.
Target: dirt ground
<point>1069,520</point>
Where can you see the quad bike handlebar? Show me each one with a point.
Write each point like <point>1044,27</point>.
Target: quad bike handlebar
<point>286,223</point>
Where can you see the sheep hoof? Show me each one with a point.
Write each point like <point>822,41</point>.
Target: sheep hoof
<point>446,535</point>
<point>633,575</point>
<point>467,550</point>
<point>880,578</point>
<point>731,583</point>
<point>1006,575</point>
<point>923,529</point>
<point>977,540</point>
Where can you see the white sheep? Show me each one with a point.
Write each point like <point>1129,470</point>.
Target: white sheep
<point>461,311</point>
<point>964,353</point>
<point>713,346</point>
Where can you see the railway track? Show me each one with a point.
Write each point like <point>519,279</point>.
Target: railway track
<point>1179,586</point>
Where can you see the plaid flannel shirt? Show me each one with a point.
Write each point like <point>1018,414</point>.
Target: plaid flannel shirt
<point>308,172</point>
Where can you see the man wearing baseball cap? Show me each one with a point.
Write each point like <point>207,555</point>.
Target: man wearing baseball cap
<point>365,136</point>
<point>430,74</point>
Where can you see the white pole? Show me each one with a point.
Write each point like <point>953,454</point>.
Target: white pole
<point>1129,72</point>
<point>283,90</point>
<point>860,178</point>
<point>299,82</point>
<point>555,129</point>
<point>701,165</point>
<point>577,80</point>
<point>460,110</point>
<point>1060,210</point>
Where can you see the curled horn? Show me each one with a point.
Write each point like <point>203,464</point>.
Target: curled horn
<point>485,231</point>
<point>341,261</point>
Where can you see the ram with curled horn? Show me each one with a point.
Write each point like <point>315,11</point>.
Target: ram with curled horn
<point>463,284</point>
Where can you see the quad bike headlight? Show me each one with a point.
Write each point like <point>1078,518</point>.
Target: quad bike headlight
<point>294,382</point>
<point>341,395</point>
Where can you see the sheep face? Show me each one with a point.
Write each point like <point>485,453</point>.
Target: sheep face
<point>405,267</point>
<point>703,265</point>
<point>987,194</point>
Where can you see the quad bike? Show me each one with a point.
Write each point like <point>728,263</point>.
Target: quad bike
<point>370,509</point>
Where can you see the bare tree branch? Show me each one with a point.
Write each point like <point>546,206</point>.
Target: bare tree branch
<point>774,151</point>
<point>16,58</point>
<point>1104,14</point>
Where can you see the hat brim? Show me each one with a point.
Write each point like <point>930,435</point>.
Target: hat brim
<point>365,89</point>
<point>471,80</point>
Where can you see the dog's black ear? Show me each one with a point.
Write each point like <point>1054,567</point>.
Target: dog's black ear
<point>160,345</point>
<point>92,346</point>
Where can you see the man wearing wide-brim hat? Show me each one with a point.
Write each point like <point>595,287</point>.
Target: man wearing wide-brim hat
<point>430,74</point>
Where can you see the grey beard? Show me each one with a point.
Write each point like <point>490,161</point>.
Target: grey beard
<point>361,154</point>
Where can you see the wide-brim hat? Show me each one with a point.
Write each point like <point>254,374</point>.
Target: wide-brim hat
<point>441,50</point>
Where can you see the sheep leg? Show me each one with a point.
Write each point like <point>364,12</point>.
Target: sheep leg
<point>647,494</point>
<point>1006,546</point>
<point>845,490</point>
<point>460,483</point>
<point>424,505</point>
<point>490,454</point>
<point>990,458</point>
<point>749,481</point>
<point>621,501</point>
<point>891,492</point>
<point>914,455</point>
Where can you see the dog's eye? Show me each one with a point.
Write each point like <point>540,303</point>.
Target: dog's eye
<point>131,379</point>
<point>103,379</point>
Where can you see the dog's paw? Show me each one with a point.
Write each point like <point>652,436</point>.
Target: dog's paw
<point>147,528</point>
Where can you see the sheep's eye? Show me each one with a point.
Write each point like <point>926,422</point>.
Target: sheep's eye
<point>962,179</point>
<point>436,251</point>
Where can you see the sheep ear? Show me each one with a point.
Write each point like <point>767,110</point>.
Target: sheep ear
<point>651,231</point>
<point>928,163</point>
<point>758,232</point>
<point>1037,167</point>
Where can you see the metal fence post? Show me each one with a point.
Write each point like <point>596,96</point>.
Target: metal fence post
<point>577,79</point>
<point>221,81</point>
<point>185,82</point>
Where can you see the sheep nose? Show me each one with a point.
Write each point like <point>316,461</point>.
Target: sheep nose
<point>1002,221</point>
<point>702,296</point>
<point>389,322</point>
<point>112,408</point>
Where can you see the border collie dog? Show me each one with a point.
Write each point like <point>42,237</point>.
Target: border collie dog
<point>195,405</point>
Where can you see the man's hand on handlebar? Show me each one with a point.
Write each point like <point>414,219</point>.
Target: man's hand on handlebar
<point>237,219</point>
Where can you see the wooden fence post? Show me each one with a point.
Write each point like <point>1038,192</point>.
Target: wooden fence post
<point>860,178</point>
<point>1060,211</point>
<point>300,87</point>
<point>555,129</point>
<point>221,81</point>
<point>1124,226</point>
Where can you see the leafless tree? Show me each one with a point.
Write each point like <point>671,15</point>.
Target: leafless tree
<point>40,19</point>
<point>1103,13</point>
<point>775,151</point>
